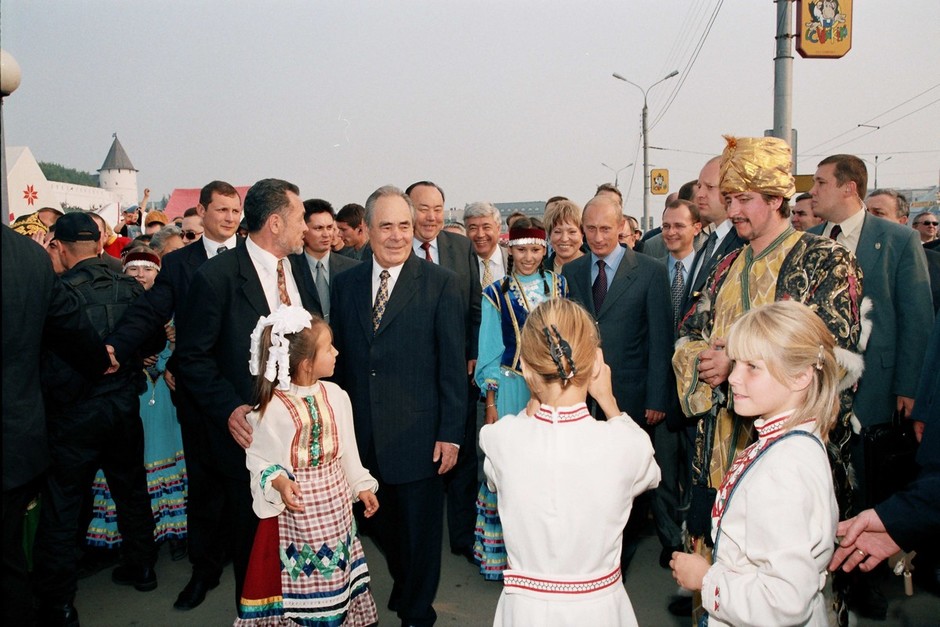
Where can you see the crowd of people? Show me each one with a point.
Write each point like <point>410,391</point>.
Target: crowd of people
<point>264,378</point>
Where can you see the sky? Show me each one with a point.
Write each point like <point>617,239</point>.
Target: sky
<point>504,101</point>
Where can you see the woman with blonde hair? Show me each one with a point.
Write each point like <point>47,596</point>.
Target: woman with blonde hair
<point>563,223</point>
<point>774,528</point>
<point>566,482</point>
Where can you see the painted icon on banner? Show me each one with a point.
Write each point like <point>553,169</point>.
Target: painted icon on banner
<point>824,28</point>
<point>659,181</point>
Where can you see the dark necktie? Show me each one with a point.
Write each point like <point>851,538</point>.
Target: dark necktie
<point>600,286</point>
<point>678,292</point>
<point>426,246</point>
<point>221,249</point>
<point>282,284</point>
<point>381,299</point>
<point>836,231</point>
<point>323,290</point>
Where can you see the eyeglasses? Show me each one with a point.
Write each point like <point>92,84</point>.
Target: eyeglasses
<point>925,223</point>
<point>191,234</point>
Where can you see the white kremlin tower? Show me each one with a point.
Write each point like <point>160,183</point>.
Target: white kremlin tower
<point>118,175</point>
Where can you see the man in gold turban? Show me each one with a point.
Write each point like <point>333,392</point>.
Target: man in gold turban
<point>777,263</point>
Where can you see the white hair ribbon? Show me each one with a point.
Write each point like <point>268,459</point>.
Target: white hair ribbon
<point>284,321</point>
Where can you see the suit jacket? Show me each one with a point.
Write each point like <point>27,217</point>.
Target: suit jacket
<point>455,252</point>
<point>408,382</point>
<point>895,281</point>
<point>728,245</point>
<point>213,343</point>
<point>933,269</point>
<point>338,263</point>
<point>635,323</point>
<point>37,308</point>
<point>912,516</point>
<point>157,305</point>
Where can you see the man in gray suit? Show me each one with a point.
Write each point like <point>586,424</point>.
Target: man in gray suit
<point>482,222</point>
<point>454,252</point>
<point>628,295</point>
<point>895,282</point>
<point>317,254</point>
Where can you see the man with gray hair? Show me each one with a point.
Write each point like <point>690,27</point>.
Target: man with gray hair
<point>482,220</point>
<point>398,324</point>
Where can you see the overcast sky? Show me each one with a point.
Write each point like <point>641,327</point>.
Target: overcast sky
<point>498,100</point>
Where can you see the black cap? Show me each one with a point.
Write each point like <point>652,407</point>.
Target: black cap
<point>76,227</point>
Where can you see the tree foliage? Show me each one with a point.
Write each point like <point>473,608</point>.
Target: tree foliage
<point>62,174</point>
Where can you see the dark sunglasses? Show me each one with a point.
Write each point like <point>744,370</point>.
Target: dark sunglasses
<point>191,234</point>
<point>925,223</point>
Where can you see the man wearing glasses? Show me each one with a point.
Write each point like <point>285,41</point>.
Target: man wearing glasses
<point>926,224</point>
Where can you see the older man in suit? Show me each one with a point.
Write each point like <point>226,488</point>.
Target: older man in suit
<point>220,208</point>
<point>454,252</point>
<point>317,255</point>
<point>482,220</point>
<point>395,309</point>
<point>234,290</point>
<point>628,294</point>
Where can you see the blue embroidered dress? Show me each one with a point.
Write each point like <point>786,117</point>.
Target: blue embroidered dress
<point>504,315</point>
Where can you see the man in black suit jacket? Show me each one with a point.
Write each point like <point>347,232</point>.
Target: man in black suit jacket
<point>207,530</point>
<point>628,294</point>
<point>318,216</point>
<point>229,294</point>
<point>36,307</point>
<point>723,239</point>
<point>456,253</point>
<point>398,325</point>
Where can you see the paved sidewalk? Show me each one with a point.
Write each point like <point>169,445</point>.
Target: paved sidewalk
<point>464,598</point>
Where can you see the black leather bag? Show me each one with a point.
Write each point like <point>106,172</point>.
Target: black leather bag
<point>890,449</point>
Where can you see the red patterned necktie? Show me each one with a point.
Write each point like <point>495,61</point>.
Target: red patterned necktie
<point>600,286</point>
<point>282,283</point>
<point>426,246</point>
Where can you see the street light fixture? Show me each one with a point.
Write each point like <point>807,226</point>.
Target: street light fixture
<point>9,81</point>
<point>616,173</point>
<point>647,224</point>
<point>876,168</point>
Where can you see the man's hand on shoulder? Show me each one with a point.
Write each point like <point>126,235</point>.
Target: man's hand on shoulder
<point>238,426</point>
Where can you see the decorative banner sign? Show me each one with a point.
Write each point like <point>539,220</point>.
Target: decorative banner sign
<point>659,181</point>
<point>824,28</point>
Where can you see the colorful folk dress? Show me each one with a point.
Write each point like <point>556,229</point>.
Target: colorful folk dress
<point>165,465</point>
<point>504,314</point>
<point>307,568</point>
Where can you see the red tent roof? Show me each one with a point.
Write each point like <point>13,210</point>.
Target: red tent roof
<point>183,198</point>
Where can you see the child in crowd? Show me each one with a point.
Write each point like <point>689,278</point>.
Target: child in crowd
<point>566,482</point>
<point>306,565</point>
<point>506,305</point>
<point>774,528</point>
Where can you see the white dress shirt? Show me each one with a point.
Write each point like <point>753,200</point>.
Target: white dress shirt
<point>212,248</point>
<point>394,271</point>
<point>435,254</point>
<point>266,266</point>
<point>497,268</point>
<point>851,229</point>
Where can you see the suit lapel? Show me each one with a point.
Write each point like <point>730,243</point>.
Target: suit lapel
<point>445,252</point>
<point>251,284</point>
<point>361,293</point>
<point>404,290</point>
<point>623,278</point>
<point>870,245</point>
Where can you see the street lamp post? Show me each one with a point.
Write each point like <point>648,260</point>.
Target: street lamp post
<point>646,163</point>
<point>9,81</point>
<point>876,168</point>
<point>616,173</point>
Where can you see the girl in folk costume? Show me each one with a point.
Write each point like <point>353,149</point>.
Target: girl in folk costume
<point>566,482</point>
<point>774,518</point>
<point>506,305</point>
<point>307,566</point>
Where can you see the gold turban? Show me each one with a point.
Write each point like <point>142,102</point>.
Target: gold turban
<point>759,164</point>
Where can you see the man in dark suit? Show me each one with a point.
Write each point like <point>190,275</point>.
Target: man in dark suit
<point>37,307</point>
<point>722,240</point>
<point>454,252</point>
<point>894,269</point>
<point>628,294</point>
<point>220,208</point>
<point>229,294</point>
<point>317,255</point>
<point>398,325</point>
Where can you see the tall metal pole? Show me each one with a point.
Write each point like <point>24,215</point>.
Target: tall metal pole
<point>783,77</point>
<point>647,225</point>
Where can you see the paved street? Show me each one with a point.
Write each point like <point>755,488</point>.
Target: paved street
<point>464,598</point>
